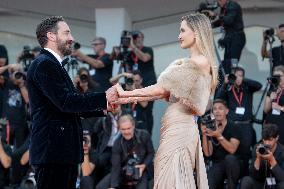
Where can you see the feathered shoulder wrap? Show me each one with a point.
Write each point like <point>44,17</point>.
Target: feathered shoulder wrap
<point>186,81</point>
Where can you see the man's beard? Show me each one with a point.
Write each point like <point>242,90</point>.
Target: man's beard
<point>63,47</point>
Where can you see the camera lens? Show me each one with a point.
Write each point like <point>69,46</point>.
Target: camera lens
<point>76,46</point>
<point>84,78</point>
<point>269,32</point>
<point>19,75</point>
<point>85,141</point>
<point>129,81</point>
<point>263,149</point>
<point>232,78</point>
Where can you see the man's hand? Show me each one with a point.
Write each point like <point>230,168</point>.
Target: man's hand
<point>217,133</point>
<point>276,106</point>
<point>141,169</point>
<point>111,96</point>
<point>270,158</point>
<point>203,130</point>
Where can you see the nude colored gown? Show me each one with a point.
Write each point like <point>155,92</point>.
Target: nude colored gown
<point>180,150</point>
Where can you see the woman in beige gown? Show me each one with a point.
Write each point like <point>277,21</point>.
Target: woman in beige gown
<point>187,84</point>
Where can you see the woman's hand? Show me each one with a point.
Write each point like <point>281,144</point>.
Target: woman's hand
<point>120,91</point>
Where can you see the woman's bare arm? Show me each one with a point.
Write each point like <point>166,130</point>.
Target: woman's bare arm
<point>151,91</point>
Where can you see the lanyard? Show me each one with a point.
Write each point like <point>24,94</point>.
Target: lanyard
<point>278,96</point>
<point>239,100</point>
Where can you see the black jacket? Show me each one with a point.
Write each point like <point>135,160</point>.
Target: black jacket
<point>248,87</point>
<point>277,171</point>
<point>143,148</point>
<point>231,18</point>
<point>56,107</point>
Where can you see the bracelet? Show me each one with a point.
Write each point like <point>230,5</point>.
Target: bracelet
<point>220,138</point>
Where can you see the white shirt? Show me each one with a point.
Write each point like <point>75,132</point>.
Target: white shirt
<point>55,54</point>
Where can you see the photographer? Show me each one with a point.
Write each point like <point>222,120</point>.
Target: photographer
<point>267,165</point>
<point>231,19</point>
<point>88,166</point>
<point>238,93</point>
<point>4,60</point>
<point>106,131</point>
<point>15,101</point>
<point>220,141</point>
<point>27,56</point>
<point>5,160</point>
<point>143,58</point>
<point>100,63</point>
<point>84,82</point>
<point>274,102</point>
<point>132,154</point>
<point>277,53</point>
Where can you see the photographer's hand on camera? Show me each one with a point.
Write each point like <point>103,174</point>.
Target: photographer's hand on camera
<point>141,167</point>
<point>269,157</point>
<point>5,159</point>
<point>216,134</point>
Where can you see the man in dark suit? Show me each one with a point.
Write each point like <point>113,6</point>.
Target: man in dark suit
<point>56,146</point>
<point>134,148</point>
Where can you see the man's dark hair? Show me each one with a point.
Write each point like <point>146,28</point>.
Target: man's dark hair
<point>281,26</point>
<point>218,100</point>
<point>269,131</point>
<point>47,25</point>
<point>236,69</point>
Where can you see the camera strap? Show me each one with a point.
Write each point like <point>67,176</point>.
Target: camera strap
<point>238,99</point>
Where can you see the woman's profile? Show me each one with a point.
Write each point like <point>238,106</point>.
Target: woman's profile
<point>187,84</point>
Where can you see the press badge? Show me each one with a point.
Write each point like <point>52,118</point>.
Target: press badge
<point>92,72</point>
<point>270,181</point>
<point>276,112</point>
<point>240,110</point>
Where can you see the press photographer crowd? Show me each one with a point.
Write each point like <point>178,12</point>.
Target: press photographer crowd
<point>118,149</point>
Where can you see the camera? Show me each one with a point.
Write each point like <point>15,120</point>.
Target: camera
<point>19,75</point>
<point>125,38</point>
<point>76,46</point>
<point>232,78</point>
<point>263,149</point>
<point>132,173</point>
<point>205,6</point>
<point>83,78</point>
<point>26,57</point>
<point>129,81</point>
<point>209,121</point>
<point>274,81</point>
<point>269,32</point>
<point>27,53</point>
<point>86,141</point>
<point>29,182</point>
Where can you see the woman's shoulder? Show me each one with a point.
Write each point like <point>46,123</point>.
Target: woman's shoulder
<point>199,63</point>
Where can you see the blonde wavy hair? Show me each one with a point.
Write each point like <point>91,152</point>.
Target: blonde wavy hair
<point>202,29</point>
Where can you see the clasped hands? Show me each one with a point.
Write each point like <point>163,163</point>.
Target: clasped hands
<point>116,96</point>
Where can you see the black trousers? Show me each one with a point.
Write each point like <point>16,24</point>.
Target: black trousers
<point>249,183</point>
<point>53,176</point>
<point>87,182</point>
<point>235,42</point>
<point>229,168</point>
<point>105,183</point>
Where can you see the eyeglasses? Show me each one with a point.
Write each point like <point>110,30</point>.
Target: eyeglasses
<point>96,44</point>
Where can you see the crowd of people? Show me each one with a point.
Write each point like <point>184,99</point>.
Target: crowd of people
<point>118,149</point>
